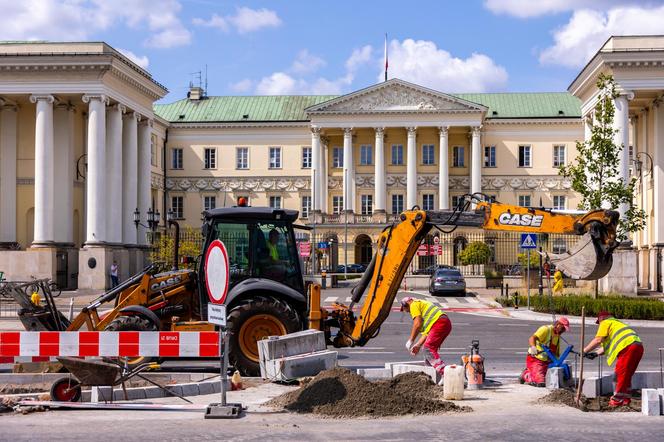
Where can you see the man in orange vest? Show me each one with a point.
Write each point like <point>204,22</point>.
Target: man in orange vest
<point>618,342</point>
<point>432,324</point>
<point>537,360</point>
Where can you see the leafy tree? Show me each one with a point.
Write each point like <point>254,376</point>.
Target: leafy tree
<point>190,245</point>
<point>595,176</point>
<point>475,253</point>
<point>534,260</point>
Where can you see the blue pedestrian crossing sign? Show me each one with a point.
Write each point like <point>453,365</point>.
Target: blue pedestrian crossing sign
<point>528,241</point>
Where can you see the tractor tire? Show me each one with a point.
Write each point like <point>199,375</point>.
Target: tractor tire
<point>252,320</point>
<point>133,323</point>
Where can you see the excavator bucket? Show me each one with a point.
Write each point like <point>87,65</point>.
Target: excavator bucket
<point>588,259</point>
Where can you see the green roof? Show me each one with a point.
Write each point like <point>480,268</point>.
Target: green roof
<point>527,104</point>
<point>291,107</point>
<point>233,108</point>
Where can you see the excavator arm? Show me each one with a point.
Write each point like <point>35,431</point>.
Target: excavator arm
<point>398,243</point>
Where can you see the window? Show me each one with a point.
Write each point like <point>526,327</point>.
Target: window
<point>306,157</point>
<point>558,156</point>
<point>397,155</point>
<point>559,246</point>
<point>153,150</point>
<point>209,202</point>
<point>458,155</point>
<point>559,202</point>
<point>524,200</point>
<point>366,155</point>
<point>177,205</point>
<point>366,204</point>
<point>210,158</point>
<point>275,158</point>
<point>456,200</point>
<point>306,206</point>
<point>397,204</point>
<point>242,157</point>
<point>337,204</point>
<point>492,198</point>
<point>176,158</point>
<point>524,156</point>
<point>337,157</point>
<point>489,156</point>
<point>275,202</point>
<point>630,152</point>
<point>427,201</point>
<point>428,157</point>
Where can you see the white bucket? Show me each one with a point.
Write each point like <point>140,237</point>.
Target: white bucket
<point>453,380</point>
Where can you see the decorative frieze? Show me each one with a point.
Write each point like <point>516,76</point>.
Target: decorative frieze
<point>232,184</point>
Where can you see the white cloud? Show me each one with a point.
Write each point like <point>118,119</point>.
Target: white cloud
<point>242,86</point>
<point>278,83</point>
<point>358,58</point>
<point>244,20</point>
<point>306,63</point>
<point>143,61</point>
<point>535,8</point>
<point>580,38</point>
<point>83,19</point>
<point>423,63</point>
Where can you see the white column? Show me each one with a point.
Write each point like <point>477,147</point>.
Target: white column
<point>443,170</point>
<point>129,176</point>
<point>96,197</point>
<point>645,174</point>
<point>144,176</point>
<point>323,172</point>
<point>658,175</point>
<point>349,171</point>
<point>8,174</point>
<point>64,162</point>
<point>621,137</point>
<point>587,127</point>
<point>316,190</point>
<point>411,169</point>
<point>476,161</point>
<point>115,192</point>
<point>380,190</point>
<point>44,183</point>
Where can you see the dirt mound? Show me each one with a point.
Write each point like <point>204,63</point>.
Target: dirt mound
<point>343,393</point>
<point>568,397</point>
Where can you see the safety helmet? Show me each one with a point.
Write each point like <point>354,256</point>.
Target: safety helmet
<point>405,301</point>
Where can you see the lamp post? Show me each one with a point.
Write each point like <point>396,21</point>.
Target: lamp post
<point>152,220</point>
<point>170,219</point>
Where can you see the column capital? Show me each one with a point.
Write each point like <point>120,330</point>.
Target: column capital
<point>315,130</point>
<point>131,114</point>
<point>627,94</point>
<point>46,97</point>
<point>380,131</point>
<point>87,98</point>
<point>144,121</point>
<point>348,131</point>
<point>411,130</point>
<point>443,130</point>
<point>475,130</point>
<point>118,107</point>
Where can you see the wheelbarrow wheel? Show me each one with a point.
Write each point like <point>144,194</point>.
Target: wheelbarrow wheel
<point>133,323</point>
<point>66,390</point>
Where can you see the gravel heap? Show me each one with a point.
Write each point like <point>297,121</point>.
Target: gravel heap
<point>568,397</point>
<point>343,393</point>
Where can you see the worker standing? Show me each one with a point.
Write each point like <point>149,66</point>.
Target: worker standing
<point>618,342</point>
<point>537,360</point>
<point>432,324</point>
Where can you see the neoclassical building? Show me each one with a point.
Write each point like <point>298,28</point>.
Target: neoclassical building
<point>82,142</point>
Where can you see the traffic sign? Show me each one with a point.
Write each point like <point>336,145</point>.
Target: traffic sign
<point>217,314</point>
<point>423,250</point>
<point>528,241</point>
<point>436,249</point>
<point>436,240</point>
<point>217,272</point>
<point>305,249</point>
<point>322,245</point>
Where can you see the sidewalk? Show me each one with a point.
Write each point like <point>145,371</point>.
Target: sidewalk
<point>529,315</point>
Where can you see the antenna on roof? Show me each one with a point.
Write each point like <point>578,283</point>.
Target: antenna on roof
<point>206,82</point>
<point>196,91</point>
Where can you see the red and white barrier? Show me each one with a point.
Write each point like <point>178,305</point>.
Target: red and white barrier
<point>43,345</point>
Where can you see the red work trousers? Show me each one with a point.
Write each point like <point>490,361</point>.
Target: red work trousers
<point>439,331</point>
<point>627,361</point>
<point>535,371</point>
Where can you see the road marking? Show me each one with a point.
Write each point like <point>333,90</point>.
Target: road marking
<point>374,352</point>
<point>349,299</point>
<point>366,348</point>
<point>515,325</point>
<point>330,299</point>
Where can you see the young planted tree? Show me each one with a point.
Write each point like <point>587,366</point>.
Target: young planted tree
<point>595,172</point>
<point>476,253</point>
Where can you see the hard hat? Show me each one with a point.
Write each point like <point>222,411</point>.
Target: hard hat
<point>405,301</point>
<point>564,322</point>
<point>602,315</point>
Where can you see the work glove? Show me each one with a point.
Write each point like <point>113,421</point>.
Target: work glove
<point>409,344</point>
<point>591,355</point>
<point>532,351</point>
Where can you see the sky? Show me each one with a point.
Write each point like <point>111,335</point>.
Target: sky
<point>274,47</point>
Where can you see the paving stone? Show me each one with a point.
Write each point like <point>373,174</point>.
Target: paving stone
<point>206,387</point>
<point>398,369</point>
<point>650,402</point>
<point>190,389</point>
<point>292,344</point>
<point>101,394</point>
<point>293,367</point>
<point>375,373</point>
<point>555,378</point>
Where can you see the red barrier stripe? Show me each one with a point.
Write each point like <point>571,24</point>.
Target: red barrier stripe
<point>169,344</point>
<point>10,343</point>
<point>128,344</point>
<point>209,344</point>
<point>88,343</point>
<point>49,344</point>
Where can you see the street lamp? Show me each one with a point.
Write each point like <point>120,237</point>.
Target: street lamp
<point>152,220</point>
<point>639,160</point>
<point>170,220</point>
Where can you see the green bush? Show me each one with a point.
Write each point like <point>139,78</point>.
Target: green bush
<point>492,274</point>
<point>475,253</point>
<point>626,308</point>
<point>534,260</point>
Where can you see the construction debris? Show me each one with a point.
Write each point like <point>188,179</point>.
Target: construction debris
<point>342,393</point>
<point>568,397</point>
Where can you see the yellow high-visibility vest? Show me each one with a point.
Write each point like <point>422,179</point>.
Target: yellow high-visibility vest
<point>429,312</point>
<point>620,336</point>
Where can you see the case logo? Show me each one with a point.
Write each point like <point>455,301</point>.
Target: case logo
<point>517,219</point>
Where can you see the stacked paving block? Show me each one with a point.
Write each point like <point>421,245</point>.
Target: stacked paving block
<point>651,402</point>
<point>292,356</point>
<point>555,378</point>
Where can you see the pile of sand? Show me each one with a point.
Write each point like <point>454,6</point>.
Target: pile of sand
<point>343,393</point>
<point>568,397</point>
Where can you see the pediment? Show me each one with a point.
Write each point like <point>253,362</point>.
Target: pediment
<point>396,96</point>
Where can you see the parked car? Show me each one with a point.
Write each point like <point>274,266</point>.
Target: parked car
<point>352,268</point>
<point>430,269</point>
<point>446,281</point>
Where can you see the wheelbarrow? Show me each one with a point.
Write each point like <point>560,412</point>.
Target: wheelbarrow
<point>95,373</point>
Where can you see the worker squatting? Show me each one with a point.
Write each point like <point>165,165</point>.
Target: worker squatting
<point>615,339</point>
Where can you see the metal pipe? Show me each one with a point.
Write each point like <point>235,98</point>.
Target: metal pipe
<point>583,339</point>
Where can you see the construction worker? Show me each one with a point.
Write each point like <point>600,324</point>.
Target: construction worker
<point>618,342</point>
<point>537,360</point>
<point>432,324</point>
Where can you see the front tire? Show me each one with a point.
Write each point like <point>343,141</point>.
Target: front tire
<point>133,323</point>
<point>66,390</point>
<point>254,319</point>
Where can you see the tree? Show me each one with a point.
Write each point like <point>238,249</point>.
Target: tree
<point>534,260</point>
<point>595,176</point>
<point>190,245</point>
<point>475,253</point>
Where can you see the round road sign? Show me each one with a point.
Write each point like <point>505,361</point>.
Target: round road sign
<point>436,240</point>
<point>216,272</point>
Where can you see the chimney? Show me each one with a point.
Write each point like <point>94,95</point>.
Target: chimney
<point>195,93</point>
